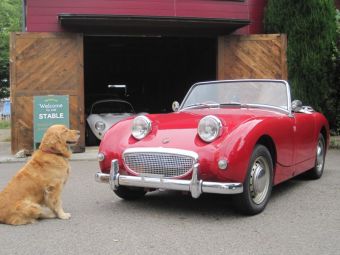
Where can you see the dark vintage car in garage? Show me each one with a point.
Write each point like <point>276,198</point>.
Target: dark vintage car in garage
<point>233,137</point>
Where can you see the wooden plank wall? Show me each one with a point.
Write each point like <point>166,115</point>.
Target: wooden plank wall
<point>44,64</point>
<point>252,56</point>
<point>42,15</point>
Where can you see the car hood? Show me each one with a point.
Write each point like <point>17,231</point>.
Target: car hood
<point>179,129</point>
<point>190,119</point>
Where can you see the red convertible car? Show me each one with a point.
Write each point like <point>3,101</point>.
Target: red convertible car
<point>238,137</point>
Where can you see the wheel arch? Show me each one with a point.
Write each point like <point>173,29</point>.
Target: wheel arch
<point>323,132</point>
<point>268,142</point>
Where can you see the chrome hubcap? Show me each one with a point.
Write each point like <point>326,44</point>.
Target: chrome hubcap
<point>319,156</point>
<point>259,180</point>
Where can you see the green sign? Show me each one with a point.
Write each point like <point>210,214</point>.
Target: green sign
<point>49,110</point>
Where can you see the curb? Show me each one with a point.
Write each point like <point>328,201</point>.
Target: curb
<point>13,159</point>
<point>90,154</point>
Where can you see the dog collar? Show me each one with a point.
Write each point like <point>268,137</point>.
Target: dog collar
<point>52,152</point>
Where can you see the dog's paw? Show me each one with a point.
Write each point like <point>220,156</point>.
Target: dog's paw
<point>46,213</point>
<point>65,216</point>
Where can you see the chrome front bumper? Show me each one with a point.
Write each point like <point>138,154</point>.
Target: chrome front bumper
<point>195,186</point>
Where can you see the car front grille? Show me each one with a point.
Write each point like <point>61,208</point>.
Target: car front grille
<point>159,161</point>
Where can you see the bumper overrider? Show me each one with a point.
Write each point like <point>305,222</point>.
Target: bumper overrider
<point>195,186</point>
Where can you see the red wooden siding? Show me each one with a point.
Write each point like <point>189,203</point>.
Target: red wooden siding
<point>337,4</point>
<point>256,11</point>
<point>42,15</point>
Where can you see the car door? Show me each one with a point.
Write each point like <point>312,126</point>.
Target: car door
<point>304,138</point>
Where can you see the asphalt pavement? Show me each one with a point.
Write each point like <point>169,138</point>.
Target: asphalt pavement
<point>302,218</point>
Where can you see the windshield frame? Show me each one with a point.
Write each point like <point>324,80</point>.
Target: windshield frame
<point>289,103</point>
<point>104,101</point>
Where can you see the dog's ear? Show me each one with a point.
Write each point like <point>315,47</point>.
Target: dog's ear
<point>60,145</point>
<point>48,140</point>
<point>53,141</point>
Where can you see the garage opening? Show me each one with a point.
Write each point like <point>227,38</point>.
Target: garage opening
<point>155,70</point>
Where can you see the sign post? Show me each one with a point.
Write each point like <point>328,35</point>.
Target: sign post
<point>49,110</point>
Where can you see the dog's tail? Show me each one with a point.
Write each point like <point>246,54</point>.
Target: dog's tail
<point>2,209</point>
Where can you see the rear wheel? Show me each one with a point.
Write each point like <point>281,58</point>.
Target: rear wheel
<point>129,193</point>
<point>258,183</point>
<point>317,171</point>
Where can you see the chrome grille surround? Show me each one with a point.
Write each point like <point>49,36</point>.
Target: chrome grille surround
<point>165,162</point>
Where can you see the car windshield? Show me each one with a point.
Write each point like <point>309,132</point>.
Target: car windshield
<point>111,107</point>
<point>248,93</point>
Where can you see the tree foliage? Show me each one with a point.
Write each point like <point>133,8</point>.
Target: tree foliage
<point>336,88</point>
<point>311,30</point>
<point>10,21</point>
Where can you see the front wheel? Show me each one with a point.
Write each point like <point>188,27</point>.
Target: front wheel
<point>258,184</point>
<point>129,193</point>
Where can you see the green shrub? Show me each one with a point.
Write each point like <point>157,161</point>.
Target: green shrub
<point>10,21</point>
<point>336,88</point>
<point>311,31</point>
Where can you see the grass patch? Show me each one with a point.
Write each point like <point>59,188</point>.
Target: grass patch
<point>5,124</point>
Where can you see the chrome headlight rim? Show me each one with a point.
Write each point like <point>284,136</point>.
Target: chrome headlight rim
<point>100,126</point>
<point>141,127</point>
<point>216,130</point>
<point>100,156</point>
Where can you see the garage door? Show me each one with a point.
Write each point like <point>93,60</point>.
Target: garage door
<point>45,64</point>
<point>252,56</point>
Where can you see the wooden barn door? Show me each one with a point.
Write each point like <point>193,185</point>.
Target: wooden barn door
<point>252,56</point>
<point>45,64</point>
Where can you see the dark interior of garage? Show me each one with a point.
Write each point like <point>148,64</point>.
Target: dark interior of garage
<point>155,70</point>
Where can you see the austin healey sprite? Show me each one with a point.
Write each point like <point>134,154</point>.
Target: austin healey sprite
<point>232,137</point>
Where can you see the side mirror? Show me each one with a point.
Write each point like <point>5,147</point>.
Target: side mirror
<point>175,106</point>
<point>296,106</point>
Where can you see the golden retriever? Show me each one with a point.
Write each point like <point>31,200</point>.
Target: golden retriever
<point>35,191</point>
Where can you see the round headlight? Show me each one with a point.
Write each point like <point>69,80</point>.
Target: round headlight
<point>209,128</point>
<point>100,126</point>
<point>141,127</point>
